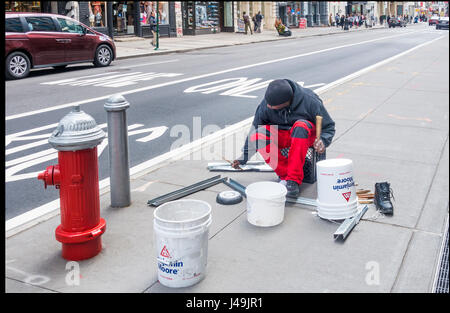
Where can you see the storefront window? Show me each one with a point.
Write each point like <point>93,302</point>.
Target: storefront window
<point>147,7</point>
<point>228,14</point>
<point>123,17</point>
<point>190,15</point>
<point>23,6</point>
<point>97,13</point>
<point>206,14</point>
<point>293,14</point>
<point>73,10</point>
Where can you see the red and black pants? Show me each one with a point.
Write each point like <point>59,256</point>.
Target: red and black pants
<point>285,150</point>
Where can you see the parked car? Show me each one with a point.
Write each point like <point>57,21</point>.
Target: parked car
<point>443,23</point>
<point>433,20</point>
<point>396,21</point>
<point>36,40</point>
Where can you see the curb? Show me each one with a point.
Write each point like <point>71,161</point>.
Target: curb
<point>234,44</point>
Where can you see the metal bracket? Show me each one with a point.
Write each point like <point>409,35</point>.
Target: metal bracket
<point>236,186</point>
<point>346,227</point>
<point>186,190</point>
<point>302,200</point>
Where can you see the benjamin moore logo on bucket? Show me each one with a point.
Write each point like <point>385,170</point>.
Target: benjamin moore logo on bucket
<point>344,183</point>
<point>170,268</point>
<point>347,195</point>
<point>165,253</point>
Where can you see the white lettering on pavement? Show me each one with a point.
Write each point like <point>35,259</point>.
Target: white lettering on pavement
<point>237,87</point>
<point>112,80</point>
<point>18,164</point>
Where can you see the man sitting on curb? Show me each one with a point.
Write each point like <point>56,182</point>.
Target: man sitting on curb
<point>284,128</point>
<point>282,29</point>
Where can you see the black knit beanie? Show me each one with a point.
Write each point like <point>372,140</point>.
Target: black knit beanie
<point>279,91</point>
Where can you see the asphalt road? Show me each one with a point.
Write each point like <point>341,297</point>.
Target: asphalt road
<point>167,93</point>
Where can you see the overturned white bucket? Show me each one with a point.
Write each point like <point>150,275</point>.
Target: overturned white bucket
<point>181,231</point>
<point>336,193</point>
<point>265,203</point>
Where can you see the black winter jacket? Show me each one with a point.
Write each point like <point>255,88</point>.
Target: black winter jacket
<point>305,105</point>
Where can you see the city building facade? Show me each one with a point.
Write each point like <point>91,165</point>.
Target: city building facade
<point>315,12</point>
<point>114,18</point>
<point>181,18</point>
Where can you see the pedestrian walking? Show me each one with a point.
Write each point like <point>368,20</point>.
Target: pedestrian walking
<point>284,128</point>
<point>336,19</point>
<point>347,22</point>
<point>247,23</point>
<point>152,23</point>
<point>258,19</point>
<point>342,21</point>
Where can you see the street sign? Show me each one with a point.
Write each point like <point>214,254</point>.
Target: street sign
<point>241,26</point>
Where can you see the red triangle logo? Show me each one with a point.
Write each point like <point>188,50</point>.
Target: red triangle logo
<point>165,253</point>
<point>347,195</point>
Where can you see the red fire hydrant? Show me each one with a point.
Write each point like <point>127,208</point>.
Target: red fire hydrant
<point>76,176</point>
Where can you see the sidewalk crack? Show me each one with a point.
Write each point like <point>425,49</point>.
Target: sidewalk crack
<point>22,282</point>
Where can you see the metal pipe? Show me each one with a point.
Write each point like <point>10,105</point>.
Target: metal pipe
<point>177,194</point>
<point>346,227</point>
<point>119,168</point>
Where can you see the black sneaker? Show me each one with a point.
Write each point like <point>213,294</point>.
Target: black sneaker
<point>382,198</point>
<point>293,189</point>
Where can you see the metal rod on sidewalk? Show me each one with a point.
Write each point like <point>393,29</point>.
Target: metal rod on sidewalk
<point>115,107</point>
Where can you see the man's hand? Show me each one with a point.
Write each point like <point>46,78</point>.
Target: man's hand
<point>236,164</point>
<point>319,146</point>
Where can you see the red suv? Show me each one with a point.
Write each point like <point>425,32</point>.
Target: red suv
<point>35,40</point>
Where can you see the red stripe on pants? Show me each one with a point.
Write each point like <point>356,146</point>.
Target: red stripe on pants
<point>290,168</point>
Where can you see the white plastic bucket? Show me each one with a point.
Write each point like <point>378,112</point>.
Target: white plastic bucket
<point>265,203</point>
<point>336,193</point>
<point>181,230</point>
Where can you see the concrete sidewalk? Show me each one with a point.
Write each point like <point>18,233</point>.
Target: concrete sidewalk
<point>392,122</point>
<point>137,46</point>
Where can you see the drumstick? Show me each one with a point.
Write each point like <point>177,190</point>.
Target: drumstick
<point>318,126</point>
<point>231,163</point>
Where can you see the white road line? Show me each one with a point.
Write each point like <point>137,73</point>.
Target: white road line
<point>152,63</point>
<point>371,67</point>
<point>48,210</point>
<point>15,116</point>
<point>314,85</point>
<point>26,146</point>
<point>62,81</point>
<point>29,157</point>
<point>28,131</point>
<point>112,81</point>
